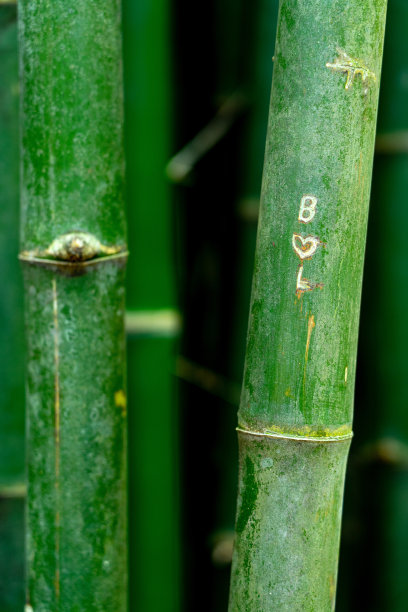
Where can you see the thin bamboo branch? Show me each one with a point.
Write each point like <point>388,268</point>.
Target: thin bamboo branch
<point>208,380</point>
<point>296,405</point>
<point>182,163</point>
<point>392,143</point>
<point>73,218</point>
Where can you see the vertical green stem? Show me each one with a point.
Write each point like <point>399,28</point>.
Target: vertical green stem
<point>73,256</point>
<point>153,324</point>
<point>11,303</point>
<point>11,330</point>
<point>297,401</point>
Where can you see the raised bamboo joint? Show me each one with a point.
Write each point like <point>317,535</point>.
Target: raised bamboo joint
<point>313,437</point>
<point>74,249</point>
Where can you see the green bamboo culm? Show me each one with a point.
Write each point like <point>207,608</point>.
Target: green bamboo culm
<point>152,322</point>
<point>12,462</point>
<point>73,257</point>
<point>296,407</point>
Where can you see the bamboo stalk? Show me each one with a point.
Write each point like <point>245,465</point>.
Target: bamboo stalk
<point>152,322</point>
<point>296,405</point>
<point>12,488</point>
<point>11,302</point>
<point>73,256</point>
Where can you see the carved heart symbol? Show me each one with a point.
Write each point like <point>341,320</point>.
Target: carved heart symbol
<point>307,246</point>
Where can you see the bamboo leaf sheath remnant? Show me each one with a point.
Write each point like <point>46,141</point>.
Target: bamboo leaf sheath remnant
<point>296,408</point>
<point>73,256</point>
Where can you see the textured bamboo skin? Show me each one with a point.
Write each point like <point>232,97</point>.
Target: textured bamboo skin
<point>72,121</point>
<point>72,181</point>
<point>276,474</point>
<point>302,339</point>
<point>76,542</point>
<point>320,143</point>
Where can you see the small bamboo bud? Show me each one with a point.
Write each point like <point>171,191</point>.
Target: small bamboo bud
<point>78,246</point>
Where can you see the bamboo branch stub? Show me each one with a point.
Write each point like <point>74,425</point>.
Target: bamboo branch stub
<point>73,248</point>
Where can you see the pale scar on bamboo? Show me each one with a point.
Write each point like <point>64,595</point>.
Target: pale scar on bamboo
<point>305,246</point>
<point>352,67</point>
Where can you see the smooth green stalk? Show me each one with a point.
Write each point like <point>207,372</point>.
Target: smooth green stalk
<point>151,323</point>
<point>11,303</point>
<point>300,361</point>
<point>11,331</point>
<point>11,554</point>
<point>73,254</point>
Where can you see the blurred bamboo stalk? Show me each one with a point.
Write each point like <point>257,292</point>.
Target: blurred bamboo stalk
<point>73,256</point>
<point>153,323</point>
<point>215,267</point>
<point>296,405</point>
<point>12,487</point>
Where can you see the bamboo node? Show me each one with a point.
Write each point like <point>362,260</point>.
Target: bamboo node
<point>78,246</point>
<point>298,437</point>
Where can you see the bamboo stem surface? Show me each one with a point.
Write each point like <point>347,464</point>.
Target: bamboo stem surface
<point>73,254</point>
<point>296,407</point>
